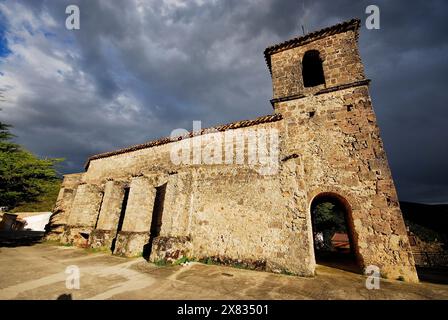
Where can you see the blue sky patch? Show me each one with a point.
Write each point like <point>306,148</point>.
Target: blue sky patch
<point>4,50</point>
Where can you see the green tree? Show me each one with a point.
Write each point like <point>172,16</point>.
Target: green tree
<point>328,219</point>
<point>24,178</point>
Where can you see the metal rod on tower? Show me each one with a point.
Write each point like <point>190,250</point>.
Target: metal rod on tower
<point>304,14</point>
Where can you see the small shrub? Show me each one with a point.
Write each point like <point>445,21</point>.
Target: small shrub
<point>161,263</point>
<point>181,261</point>
<point>239,265</point>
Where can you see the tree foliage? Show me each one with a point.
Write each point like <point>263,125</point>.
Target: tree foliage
<point>329,216</point>
<point>23,176</point>
<point>328,219</point>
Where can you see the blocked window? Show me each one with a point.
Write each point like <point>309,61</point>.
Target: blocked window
<point>312,70</point>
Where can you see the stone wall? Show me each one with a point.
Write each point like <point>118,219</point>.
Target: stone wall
<point>237,215</point>
<point>61,211</point>
<point>108,220</point>
<point>83,214</point>
<point>137,220</point>
<point>339,144</point>
<point>341,65</point>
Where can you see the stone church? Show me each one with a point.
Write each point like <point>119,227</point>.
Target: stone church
<point>136,201</point>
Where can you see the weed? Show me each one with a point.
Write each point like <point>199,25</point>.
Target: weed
<point>181,261</point>
<point>161,263</point>
<point>98,250</point>
<point>286,272</point>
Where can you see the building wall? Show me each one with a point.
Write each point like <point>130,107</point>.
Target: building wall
<point>342,154</point>
<point>341,65</point>
<point>158,160</point>
<point>61,211</point>
<point>235,215</point>
<point>225,211</point>
<point>109,215</point>
<point>83,213</point>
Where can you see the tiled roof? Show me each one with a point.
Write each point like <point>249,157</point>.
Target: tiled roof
<point>338,28</point>
<point>161,141</point>
<point>341,237</point>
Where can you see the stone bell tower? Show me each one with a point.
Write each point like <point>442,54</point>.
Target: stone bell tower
<point>320,89</point>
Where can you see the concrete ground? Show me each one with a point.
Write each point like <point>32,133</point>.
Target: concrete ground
<point>38,272</point>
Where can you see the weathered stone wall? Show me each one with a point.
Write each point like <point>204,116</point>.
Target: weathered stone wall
<point>339,144</point>
<point>61,211</point>
<point>157,160</point>
<point>333,128</point>
<point>137,220</point>
<point>341,64</point>
<point>83,214</point>
<point>226,211</point>
<point>237,215</point>
<point>109,215</point>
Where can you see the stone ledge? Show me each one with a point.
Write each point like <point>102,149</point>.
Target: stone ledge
<point>322,91</point>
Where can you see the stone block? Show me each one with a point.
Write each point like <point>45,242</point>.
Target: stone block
<point>131,244</point>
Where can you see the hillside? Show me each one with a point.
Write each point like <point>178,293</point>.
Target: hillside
<point>428,221</point>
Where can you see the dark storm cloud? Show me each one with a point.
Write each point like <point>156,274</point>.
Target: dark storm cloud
<point>138,69</point>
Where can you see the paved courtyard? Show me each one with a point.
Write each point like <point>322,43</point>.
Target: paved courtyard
<point>38,272</point>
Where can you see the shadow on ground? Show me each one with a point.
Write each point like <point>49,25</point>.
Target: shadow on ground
<point>346,262</point>
<point>433,274</point>
<point>13,239</point>
<point>104,276</point>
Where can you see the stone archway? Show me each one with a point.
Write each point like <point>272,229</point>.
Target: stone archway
<point>334,240</point>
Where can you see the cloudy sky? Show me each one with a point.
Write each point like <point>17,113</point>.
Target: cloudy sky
<point>138,69</point>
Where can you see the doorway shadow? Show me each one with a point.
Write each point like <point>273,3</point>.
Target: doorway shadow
<point>346,262</point>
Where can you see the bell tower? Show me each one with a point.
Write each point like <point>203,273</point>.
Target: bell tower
<point>315,63</point>
<point>320,89</point>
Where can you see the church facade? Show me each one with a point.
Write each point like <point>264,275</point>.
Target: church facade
<point>137,200</point>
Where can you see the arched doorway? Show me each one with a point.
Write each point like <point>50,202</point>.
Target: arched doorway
<point>333,239</point>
